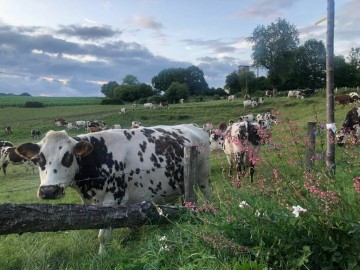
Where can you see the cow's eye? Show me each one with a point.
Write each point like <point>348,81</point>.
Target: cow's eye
<point>67,159</point>
<point>40,160</point>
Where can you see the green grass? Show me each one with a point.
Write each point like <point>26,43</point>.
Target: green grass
<point>223,236</point>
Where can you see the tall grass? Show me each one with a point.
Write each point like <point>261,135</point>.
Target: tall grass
<point>251,227</point>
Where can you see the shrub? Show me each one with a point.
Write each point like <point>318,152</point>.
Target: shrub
<point>33,104</point>
<point>111,101</point>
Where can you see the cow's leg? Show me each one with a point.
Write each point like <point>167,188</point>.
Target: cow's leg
<point>252,171</point>
<point>104,235</point>
<point>4,168</point>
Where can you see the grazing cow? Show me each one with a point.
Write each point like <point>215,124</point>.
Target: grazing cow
<point>355,97</point>
<point>231,97</point>
<point>248,117</point>
<point>216,140</point>
<point>258,100</point>
<point>240,143</point>
<point>266,119</point>
<point>35,133</point>
<point>9,156</point>
<point>349,126</point>
<point>307,93</point>
<point>116,126</point>
<point>344,99</point>
<point>93,129</point>
<point>135,124</point>
<point>123,111</point>
<point>208,127</point>
<point>119,167</point>
<point>163,104</point>
<point>81,123</point>
<point>96,123</point>
<point>294,93</point>
<point>60,122</point>
<point>181,101</point>
<point>5,143</point>
<point>149,106</point>
<point>268,93</point>
<point>8,130</point>
<point>249,102</point>
<point>72,126</point>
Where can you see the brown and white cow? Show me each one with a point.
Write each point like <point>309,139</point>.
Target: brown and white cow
<point>119,167</point>
<point>9,156</point>
<point>350,126</point>
<point>163,104</point>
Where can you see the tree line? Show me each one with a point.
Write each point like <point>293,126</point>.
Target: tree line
<point>275,48</point>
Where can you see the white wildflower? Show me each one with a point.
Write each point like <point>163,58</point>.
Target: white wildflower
<point>243,204</point>
<point>162,238</point>
<point>297,210</point>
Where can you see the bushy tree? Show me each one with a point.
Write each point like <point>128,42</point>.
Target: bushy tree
<point>177,91</point>
<point>192,76</point>
<point>344,73</point>
<point>108,88</point>
<point>274,48</point>
<point>131,93</point>
<point>130,80</point>
<point>232,83</point>
<point>309,70</point>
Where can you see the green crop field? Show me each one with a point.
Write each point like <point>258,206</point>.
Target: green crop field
<point>223,235</point>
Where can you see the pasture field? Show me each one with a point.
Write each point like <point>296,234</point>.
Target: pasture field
<point>19,101</point>
<point>224,235</point>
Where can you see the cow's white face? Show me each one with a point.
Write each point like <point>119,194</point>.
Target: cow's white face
<point>56,157</point>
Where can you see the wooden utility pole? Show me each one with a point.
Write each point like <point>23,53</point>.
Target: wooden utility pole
<point>330,104</point>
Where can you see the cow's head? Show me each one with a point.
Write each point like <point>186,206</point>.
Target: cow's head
<point>216,140</point>
<point>56,157</point>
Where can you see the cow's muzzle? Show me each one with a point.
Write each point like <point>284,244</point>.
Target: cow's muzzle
<point>52,192</point>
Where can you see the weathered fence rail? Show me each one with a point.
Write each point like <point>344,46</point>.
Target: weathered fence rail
<point>22,218</point>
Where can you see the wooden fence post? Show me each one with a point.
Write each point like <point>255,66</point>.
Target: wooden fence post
<point>310,147</point>
<point>190,173</point>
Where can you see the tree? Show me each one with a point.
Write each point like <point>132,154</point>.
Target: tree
<point>192,76</point>
<point>309,70</point>
<point>177,91</point>
<point>107,89</point>
<point>354,60</point>
<point>232,83</point>
<point>130,80</point>
<point>131,93</point>
<point>344,73</point>
<point>274,48</point>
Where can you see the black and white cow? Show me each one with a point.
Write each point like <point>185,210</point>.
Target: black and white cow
<point>9,156</point>
<point>350,126</point>
<point>119,167</point>
<point>240,143</point>
<point>5,143</point>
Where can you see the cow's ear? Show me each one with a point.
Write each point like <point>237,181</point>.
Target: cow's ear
<point>28,150</point>
<point>83,149</point>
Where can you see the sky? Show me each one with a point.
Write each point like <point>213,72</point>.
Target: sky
<point>70,48</point>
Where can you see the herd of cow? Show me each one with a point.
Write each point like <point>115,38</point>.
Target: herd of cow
<point>125,166</point>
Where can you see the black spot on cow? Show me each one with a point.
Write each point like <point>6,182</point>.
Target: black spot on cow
<point>151,182</point>
<point>60,147</point>
<point>131,173</point>
<point>55,170</point>
<point>136,184</point>
<point>127,135</point>
<point>140,154</point>
<point>143,146</point>
<point>67,159</point>
<point>137,170</point>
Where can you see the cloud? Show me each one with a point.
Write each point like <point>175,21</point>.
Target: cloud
<point>88,32</point>
<point>30,57</point>
<point>147,22</point>
<point>266,8</point>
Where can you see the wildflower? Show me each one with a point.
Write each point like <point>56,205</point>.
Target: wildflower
<point>297,210</point>
<point>162,238</point>
<point>243,204</point>
<point>164,248</point>
<point>190,205</point>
